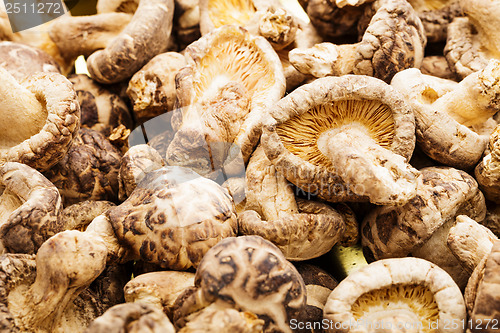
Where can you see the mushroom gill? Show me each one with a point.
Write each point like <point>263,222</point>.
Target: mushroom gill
<point>413,306</point>
<point>233,59</point>
<point>368,116</point>
<point>223,12</point>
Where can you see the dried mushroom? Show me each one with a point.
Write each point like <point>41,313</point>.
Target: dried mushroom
<point>186,27</point>
<point>248,274</point>
<point>30,209</point>
<point>22,60</point>
<point>47,294</point>
<point>450,116</point>
<point>420,228</point>
<point>486,171</point>
<point>472,40</point>
<point>89,170</point>
<point>436,15</point>
<point>40,118</point>
<point>486,302</point>
<point>117,43</point>
<point>470,242</point>
<point>437,66</point>
<point>152,89</point>
<point>399,295</point>
<point>171,219</point>
<point>79,215</point>
<point>394,40</point>
<point>344,138</point>
<point>224,92</point>
<point>301,229</point>
<point>101,109</point>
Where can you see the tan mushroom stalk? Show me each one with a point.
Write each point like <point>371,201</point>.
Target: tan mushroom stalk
<point>344,138</point>
<point>30,209</point>
<point>301,229</point>
<point>470,242</point>
<point>420,227</point>
<point>40,119</point>
<point>450,116</point>
<point>124,42</point>
<point>393,20</point>
<point>232,78</point>
<point>474,39</point>
<point>404,294</point>
<point>41,301</point>
<point>248,274</point>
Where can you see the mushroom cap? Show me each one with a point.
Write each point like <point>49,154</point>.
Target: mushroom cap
<point>101,109</point>
<point>436,16</point>
<point>89,171</point>
<point>142,39</point>
<point>132,318</point>
<point>386,117</point>
<point>390,291</point>
<point>486,171</point>
<point>30,209</point>
<point>243,69</point>
<point>173,217</point>
<point>79,215</point>
<point>249,274</point>
<point>22,60</point>
<point>44,149</point>
<point>152,89</point>
<point>436,65</point>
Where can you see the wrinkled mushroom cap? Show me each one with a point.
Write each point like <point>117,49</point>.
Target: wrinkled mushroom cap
<point>30,209</point>
<point>290,137</point>
<point>247,273</point>
<point>173,218</point>
<point>392,291</point>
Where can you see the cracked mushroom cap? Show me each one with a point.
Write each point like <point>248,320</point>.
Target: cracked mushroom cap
<point>101,109</point>
<point>395,292</point>
<point>473,40</point>
<point>48,294</point>
<point>232,78</point>
<point>152,89</point>
<point>89,171</point>
<point>22,60</point>
<point>173,217</point>
<point>301,229</point>
<point>487,298</point>
<point>30,209</point>
<point>420,227</point>
<point>40,119</point>
<point>345,139</point>
<point>393,40</point>
<point>248,274</point>
<point>117,44</point>
<point>451,117</point>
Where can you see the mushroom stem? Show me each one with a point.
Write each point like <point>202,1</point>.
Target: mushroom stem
<point>22,114</point>
<point>367,168</point>
<point>325,59</point>
<point>475,99</point>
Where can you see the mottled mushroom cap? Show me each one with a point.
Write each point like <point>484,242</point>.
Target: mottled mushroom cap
<point>22,60</point>
<point>391,291</point>
<point>250,274</point>
<point>44,149</point>
<point>30,209</point>
<point>173,217</point>
<point>327,103</point>
<point>436,16</point>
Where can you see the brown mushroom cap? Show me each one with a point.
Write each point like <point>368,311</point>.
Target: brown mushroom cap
<point>436,16</point>
<point>45,123</point>
<point>173,217</point>
<point>30,207</point>
<point>79,215</point>
<point>421,226</point>
<point>22,60</point>
<point>328,138</point>
<point>437,66</point>
<point>231,80</point>
<point>89,171</point>
<point>250,274</point>
<point>394,40</point>
<point>101,109</point>
<point>47,300</point>
<point>486,171</point>
<point>392,293</point>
